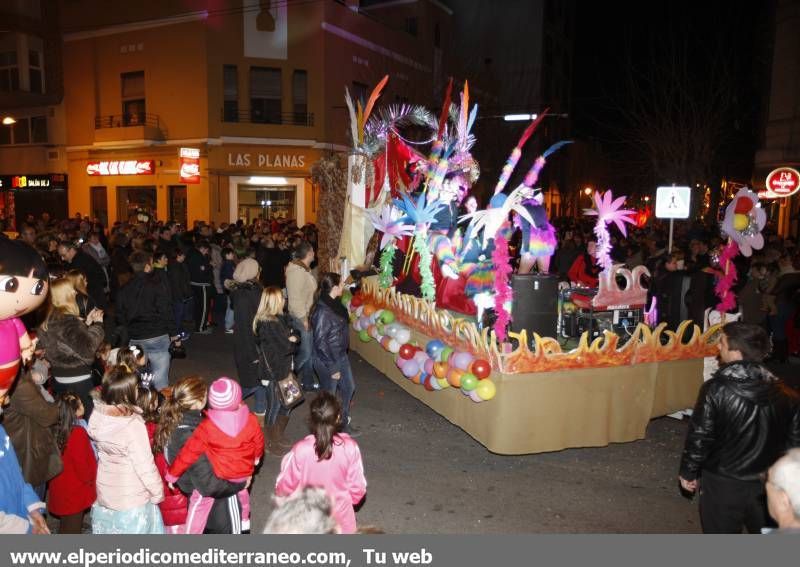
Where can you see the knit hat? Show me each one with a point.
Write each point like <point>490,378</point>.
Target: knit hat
<point>246,270</point>
<point>224,394</point>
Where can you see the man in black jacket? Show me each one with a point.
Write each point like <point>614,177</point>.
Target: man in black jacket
<point>77,259</point>
<point>144,308</point>
<point>202,279</point>
<point>745,418</point>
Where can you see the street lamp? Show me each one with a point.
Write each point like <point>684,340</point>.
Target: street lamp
<point>519,117</point>
<point>8,121</point>
<point>647,198</point>
<point>587,191</point>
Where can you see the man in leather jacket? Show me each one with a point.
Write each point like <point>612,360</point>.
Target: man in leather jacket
<point>744,420</point>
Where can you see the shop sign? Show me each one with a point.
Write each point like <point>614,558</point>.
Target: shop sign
<point>127,167</point>
<point>190,165</point>
<point>781,182</point>
<point>266,160</point>
<point>44,181</point>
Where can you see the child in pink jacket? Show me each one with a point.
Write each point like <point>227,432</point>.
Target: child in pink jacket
<point>326,459</point>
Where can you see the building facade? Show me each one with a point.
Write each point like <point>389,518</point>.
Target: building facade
<point>780,141</point>
<point>217,110</point>
<point>33,168</point>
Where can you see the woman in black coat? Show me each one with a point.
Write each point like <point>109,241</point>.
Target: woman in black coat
<point>245,295</point>
<point>329,323</point>
<point>277,343</point>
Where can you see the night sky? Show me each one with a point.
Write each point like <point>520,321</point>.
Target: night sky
<point>615,39</point>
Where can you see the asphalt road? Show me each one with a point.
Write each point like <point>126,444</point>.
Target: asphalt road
<point>426,475</point>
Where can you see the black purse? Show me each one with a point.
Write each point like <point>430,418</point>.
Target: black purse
<point>289,391</point>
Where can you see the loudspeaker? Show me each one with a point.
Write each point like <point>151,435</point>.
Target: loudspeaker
<point>535,304</point>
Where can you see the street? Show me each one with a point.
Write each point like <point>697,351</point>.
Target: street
<point>426,475</point>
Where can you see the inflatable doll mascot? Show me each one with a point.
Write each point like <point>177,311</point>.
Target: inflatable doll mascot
<point>23,287</point>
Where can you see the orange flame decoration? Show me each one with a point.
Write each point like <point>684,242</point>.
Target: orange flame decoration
<point>644,345</point>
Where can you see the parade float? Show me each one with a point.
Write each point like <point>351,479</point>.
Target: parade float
<point>420,319</point>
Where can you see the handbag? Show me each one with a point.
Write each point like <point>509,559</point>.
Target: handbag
<point>289,391</point>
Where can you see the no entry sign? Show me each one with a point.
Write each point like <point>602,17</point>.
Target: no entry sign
<point>783,182</point>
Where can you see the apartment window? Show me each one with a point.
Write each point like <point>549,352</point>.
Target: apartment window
<point>411,26</point>
<point>22,131</point>
<point>5,135</point>
<point>230,79</point>
<point>35,70</point>
<point>300,96</point>
<point>265,95</point>
<point>9,72</point>
<point>38,129</point>
<point>133,101</point>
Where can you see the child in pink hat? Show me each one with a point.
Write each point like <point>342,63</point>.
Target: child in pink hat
<point>232,439</point>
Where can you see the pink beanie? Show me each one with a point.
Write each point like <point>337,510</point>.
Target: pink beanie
<point>224,394</point>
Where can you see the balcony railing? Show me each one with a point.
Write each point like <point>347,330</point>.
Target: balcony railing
<point>254,117</point>
<point>125,120</point>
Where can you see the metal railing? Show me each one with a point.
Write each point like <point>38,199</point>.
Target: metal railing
<point>257,117</point>
<point>125,120</point>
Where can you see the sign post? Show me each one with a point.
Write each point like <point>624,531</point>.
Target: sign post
<point>673,203</point>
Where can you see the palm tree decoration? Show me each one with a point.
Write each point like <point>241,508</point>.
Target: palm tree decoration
<point>491,220</point>
<point>390,223</point>
<point>608,210</point>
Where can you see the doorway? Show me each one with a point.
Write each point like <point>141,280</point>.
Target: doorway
<point>135,201</point>
<point>99,204</point>
<point>266,202</point>
<point>178,204</point>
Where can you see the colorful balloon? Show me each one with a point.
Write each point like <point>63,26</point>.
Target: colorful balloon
<point>357,300</point>
<point>443,383</point>
<point>480,368</point>
<point>369,309</point>
<point>417,379</point>
<point>427,366</point>
<point>486,390</point>
<point>469,382</point>
<point>454,377</point>
<point>428,383</point>
<point>440,369</point>
<point>462,360</point>
<point>410,368</point>
<point>394,346</point>
<point>363,335</point>
<point>347,296</point>
<point>403,335</point>
<point>406,351</point>
<point>387,317</point>
<point>433,348</point>
<point>420,356</point>
<point>445,353</point>
<point>473,395</point>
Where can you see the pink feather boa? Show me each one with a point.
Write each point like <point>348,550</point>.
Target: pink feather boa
<point>727,299</point>
<point>502,290</point>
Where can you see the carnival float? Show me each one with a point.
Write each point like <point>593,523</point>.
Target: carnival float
<point>421,318</point>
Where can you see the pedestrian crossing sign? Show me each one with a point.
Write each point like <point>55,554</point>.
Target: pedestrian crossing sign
<point>673,202</point>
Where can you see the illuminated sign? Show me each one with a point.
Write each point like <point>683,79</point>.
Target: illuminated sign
<point>673,202</point>
<point>781,182</point>
<point>128,167</point>
<point>45,181</point>
<point>190,165</point>
<point>263,160</point>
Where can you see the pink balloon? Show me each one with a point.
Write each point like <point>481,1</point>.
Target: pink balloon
<point>461,360</point>
<point>410,368</point>
<point>428,366</point>
<point>475,397</point>
<point>421,356</point>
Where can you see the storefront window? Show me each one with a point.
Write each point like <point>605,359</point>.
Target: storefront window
<point>267,202</point>
<point>135,201</point>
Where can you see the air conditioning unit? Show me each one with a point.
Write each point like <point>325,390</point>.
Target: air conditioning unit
<point>53,154</point>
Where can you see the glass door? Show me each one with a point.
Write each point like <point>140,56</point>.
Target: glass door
<point>136,203</point>
<point>178,204</point>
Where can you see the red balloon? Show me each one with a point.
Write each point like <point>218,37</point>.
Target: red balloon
<point>407,351</point>
<point>481,369</point>
<point>743,206</point>
<point>429,383</point>
<point>357,301</point>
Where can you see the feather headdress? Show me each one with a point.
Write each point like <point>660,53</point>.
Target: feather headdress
<point>390,223</point>
<point>420,213</point>
<point>491,220</point>
<point>516,154</point>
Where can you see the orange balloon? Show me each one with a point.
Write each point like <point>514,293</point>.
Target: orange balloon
<point>416,379</point>
<point>369,309</point>
<point>440,369</point>
<point>454,377</point>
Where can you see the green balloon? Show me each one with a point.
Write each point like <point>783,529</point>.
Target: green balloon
<point>346,296</point>
<point>364,336</point>
<point>469,382</point>
<point>387,317</point>
<point>445,353</point>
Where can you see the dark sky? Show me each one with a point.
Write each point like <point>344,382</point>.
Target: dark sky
<point>611,38</point>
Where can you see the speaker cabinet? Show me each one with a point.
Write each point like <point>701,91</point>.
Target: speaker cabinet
<point>535,305</point>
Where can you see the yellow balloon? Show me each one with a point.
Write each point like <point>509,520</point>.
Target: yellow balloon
<point>740,222</point>
<point>486,389</point>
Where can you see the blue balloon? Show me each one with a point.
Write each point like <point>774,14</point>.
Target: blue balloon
<point>433,348</point>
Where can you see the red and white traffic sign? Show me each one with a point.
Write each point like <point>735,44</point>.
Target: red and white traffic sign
<point>783,182</point>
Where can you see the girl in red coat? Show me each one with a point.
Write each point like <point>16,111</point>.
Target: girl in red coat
<point>72,491</point>
<point>232,439</point>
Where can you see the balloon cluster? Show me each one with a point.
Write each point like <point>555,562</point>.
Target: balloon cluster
<point>435,367</point>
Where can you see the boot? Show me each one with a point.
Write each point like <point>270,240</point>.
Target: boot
<point>273,447</point>
<point>260,419</point>
<point>280,429</point>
